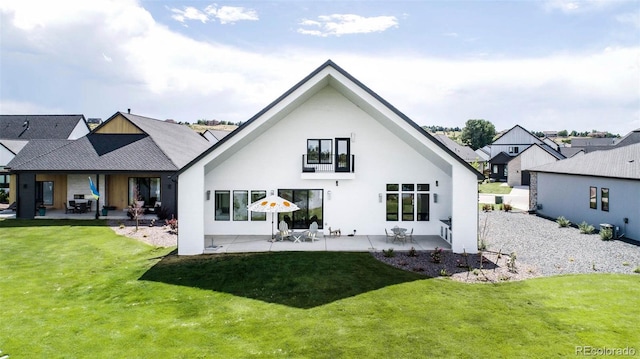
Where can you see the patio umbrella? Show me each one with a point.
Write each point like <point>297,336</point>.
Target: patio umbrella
<point>272,204</point>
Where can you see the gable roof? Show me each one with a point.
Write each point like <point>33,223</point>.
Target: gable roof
<point>160,146</point>
<point>464,152</point>
<point>500,158</point>
<point>178,142</point>
<point>285,103</point>
<point>547,149</point>
<point>30,127</point>
<point>514,128</point>
<point>623,162</point>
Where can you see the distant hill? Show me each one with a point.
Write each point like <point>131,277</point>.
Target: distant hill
<point>202,128</point>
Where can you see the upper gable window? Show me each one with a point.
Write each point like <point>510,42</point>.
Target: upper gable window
<point>319,150</point>
<point>513,149</point>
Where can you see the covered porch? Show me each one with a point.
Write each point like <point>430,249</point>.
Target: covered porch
<point>359,243</point>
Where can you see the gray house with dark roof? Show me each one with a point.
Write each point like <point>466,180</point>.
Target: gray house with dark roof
<point>125,154</point>
<point>601,187</point>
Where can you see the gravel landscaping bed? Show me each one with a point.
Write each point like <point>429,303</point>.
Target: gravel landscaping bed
<point>541,248</point>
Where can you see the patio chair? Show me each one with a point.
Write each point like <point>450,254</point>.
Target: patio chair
<point>72,206</point>
<point>312,232</point>
<point>389,235</point>
<point>68,209</point>
<point>284,231</point>
<point>409,236</point>
<point>89,205</point>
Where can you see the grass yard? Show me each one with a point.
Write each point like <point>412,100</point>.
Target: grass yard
<point>76,290</point>
<point>494,188</point>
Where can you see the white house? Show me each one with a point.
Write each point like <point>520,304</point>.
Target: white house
<point>344,155</point>
<point>601,187</point>
<point>509,145</point>
<point>534,155</point>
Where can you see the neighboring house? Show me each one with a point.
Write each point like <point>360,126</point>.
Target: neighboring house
<point>534,155</point>
<point>509,145</point>
<point>17,130</point>
<point>569,152</point>
<point>124,153</point>
<point>341,153</point>
<point>601,187</point>
<point>464,152</point>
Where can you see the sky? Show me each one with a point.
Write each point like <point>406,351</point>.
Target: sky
<point>543,65</point>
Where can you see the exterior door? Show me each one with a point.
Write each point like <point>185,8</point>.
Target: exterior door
<point>343,155</point>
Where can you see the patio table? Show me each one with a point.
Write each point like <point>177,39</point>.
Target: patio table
<point>297,236</point>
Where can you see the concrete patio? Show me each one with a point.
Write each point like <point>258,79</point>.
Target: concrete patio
<point>364,243</point>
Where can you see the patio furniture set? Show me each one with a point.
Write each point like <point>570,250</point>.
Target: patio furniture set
<point>399,234</point>
<point>297,236</point>
<point>75,206</point>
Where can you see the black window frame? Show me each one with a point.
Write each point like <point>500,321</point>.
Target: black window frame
<point>323,145</point>
<point>604,195</point>
<point>218,205</point>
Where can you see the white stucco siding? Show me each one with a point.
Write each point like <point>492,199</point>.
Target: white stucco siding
<point>191,200</point>
<point>568,196</point>
<point>273,161</point>
<point>464,214</point>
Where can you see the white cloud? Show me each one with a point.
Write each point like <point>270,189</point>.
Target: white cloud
<point>189,13</point>
<point>343,24</point>
<point>231,14</point>
<point>224,14</point>
<point>163,74</point>
<point>577,6</point>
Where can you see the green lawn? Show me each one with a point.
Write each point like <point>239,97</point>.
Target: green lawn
<point>76,290</point>
<point>494,188</point>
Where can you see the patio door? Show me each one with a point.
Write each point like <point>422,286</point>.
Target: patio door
<point>343,155</point>
<point>310,202</point>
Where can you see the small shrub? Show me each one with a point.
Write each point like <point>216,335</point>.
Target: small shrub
<point>626,264</point>
<point>606,234</point>
<point>487,207</point>
<point>173,224</point>
<point>121,225</point>
<point>388,253</point>
<point>444,273</point>
<point>412,252</point>
<point>563,222</point>
<point>436,255</point>
<point>476,271</point>
<point>482,245</point>
<point>586,228</point>
<point>507,207</point>
<point>637,270</point>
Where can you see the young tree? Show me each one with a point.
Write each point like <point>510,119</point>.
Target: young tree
<point>478,133</point>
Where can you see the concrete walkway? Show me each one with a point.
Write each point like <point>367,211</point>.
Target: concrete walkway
<point>518,198</point>
<point>244,244</point>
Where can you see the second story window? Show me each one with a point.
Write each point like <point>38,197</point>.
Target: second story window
<point>319,150</point>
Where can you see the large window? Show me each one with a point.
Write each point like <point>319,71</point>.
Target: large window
<point>604,199</point>
<point>319,150</point>
<point>44,192</point>
<point>4,181</point>
<point>593,197</point>
<point>257,195</point>
<point>240,211</point>
<point>310,202</point>
<point>222,202</point>
<point>148,189</point>
<point>409,202</point>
